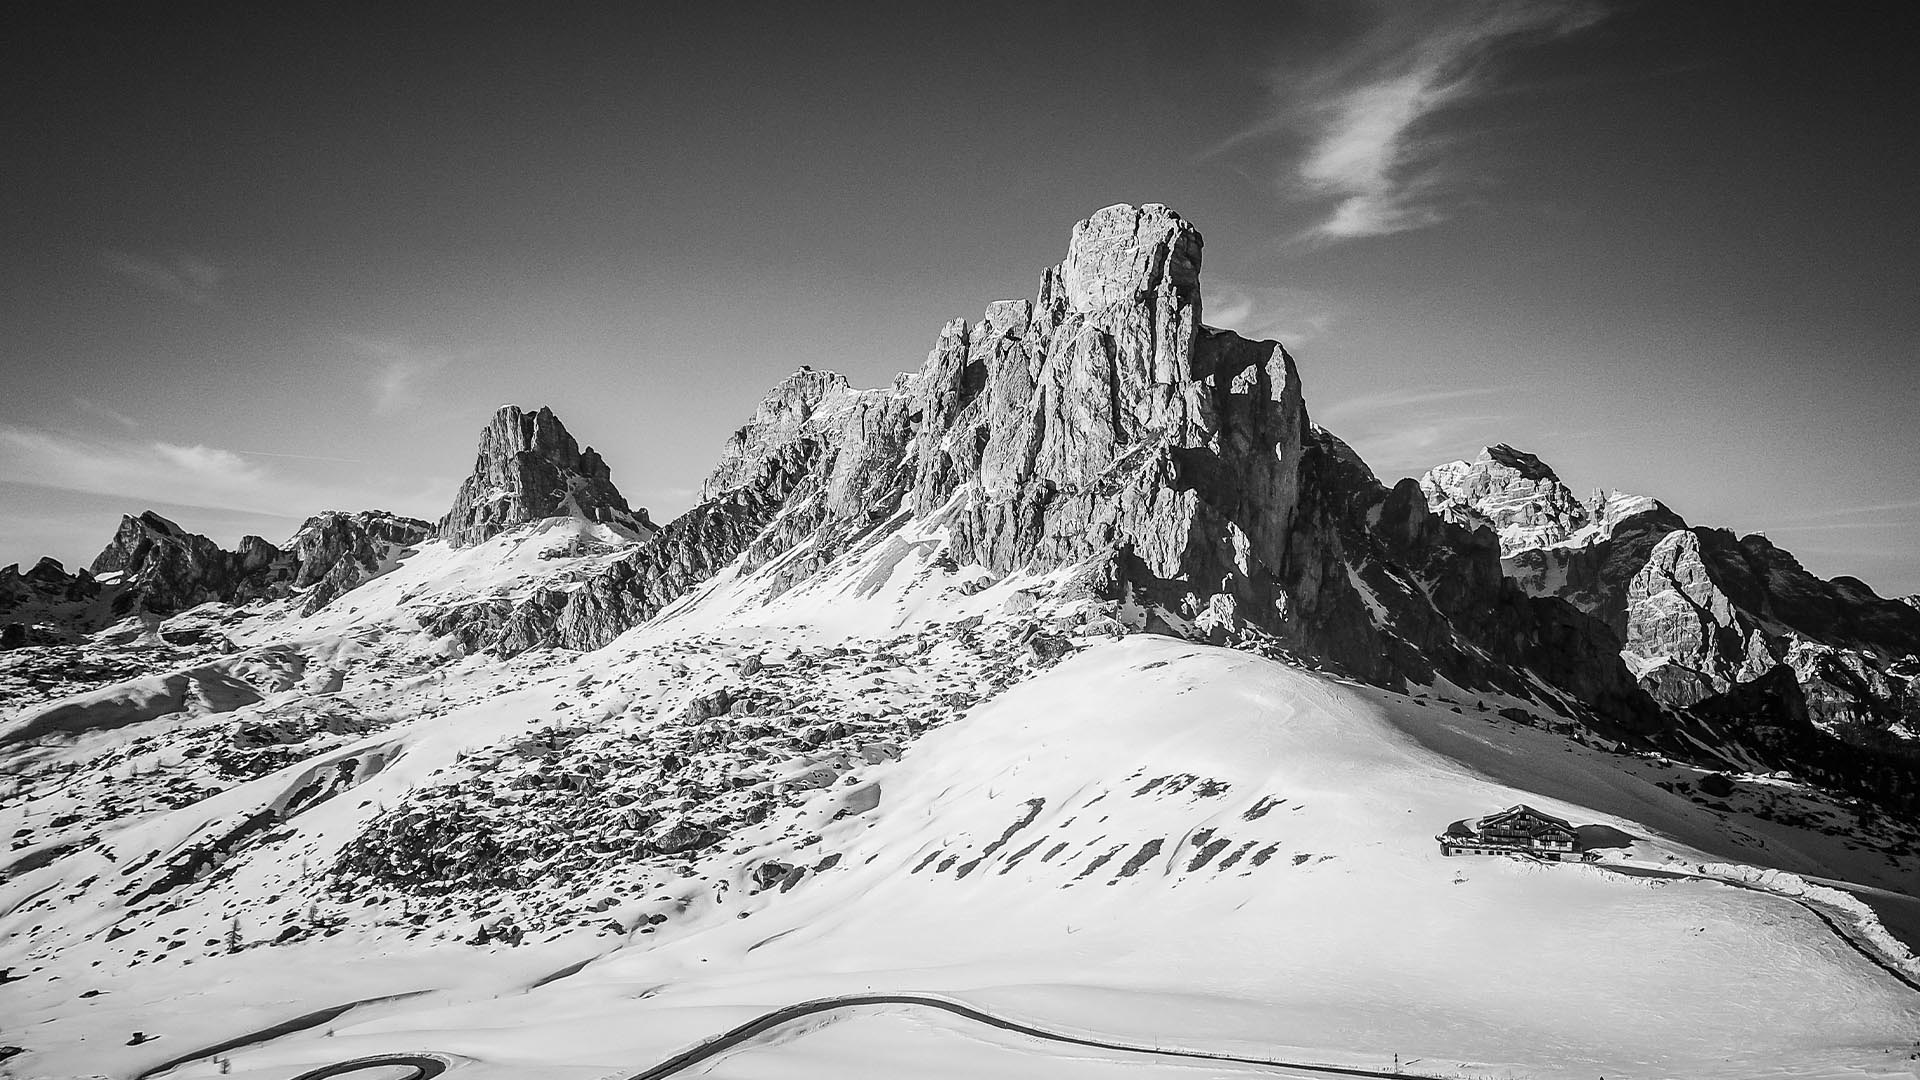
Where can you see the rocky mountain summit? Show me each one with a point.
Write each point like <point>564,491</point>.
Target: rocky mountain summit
<point>46,592</point>
<point>1103,430</point>
<point>161,567</point>
<point>47,581</point>
<point>528,468</point>
<point>1698,611</point>
<point>1510,491</point>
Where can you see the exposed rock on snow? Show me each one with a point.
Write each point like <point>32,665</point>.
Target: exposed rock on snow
<point>333,552</point>
<point>160,567</point>
<point>528,468</point>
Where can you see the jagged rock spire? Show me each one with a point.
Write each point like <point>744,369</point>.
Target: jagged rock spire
<point>528,468</point>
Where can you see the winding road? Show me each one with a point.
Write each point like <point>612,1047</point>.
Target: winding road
<point>424,1066</point>
<point>427,1066</point>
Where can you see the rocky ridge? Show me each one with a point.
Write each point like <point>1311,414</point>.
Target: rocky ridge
<point>158,567</point>
<point>1699,611</point>
<point>44,594</point>
<point>1103,427</point>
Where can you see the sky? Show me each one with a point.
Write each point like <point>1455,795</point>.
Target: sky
<point>264,260</point>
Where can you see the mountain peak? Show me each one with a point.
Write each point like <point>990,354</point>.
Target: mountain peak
<point>1121,252</point>
<point>1527,465</point>
<point>1510,491</point>
<point>530,467</point>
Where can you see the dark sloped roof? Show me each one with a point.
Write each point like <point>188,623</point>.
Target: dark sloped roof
<point>1523,810</point>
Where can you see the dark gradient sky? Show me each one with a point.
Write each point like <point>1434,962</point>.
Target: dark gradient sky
<point>262,261</point>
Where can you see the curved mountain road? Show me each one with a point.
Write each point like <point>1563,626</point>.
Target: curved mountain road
<point>760,1025</point>
<point>424,1066</point>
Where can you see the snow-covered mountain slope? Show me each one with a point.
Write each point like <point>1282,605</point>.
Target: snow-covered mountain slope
<point>1154,840</point>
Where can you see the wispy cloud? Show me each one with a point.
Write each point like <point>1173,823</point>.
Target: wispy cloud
<point>302,457</point>
<point>164,471</point>
<point>147,472</point>
<point>1419,443</point>
<point>104,412</point>
<point>1412,429</point>
<point>1388,400</point>
<point>185,277</point>
<point>400,374</point>
<point>1362,109</point>
<point>1260,311</point>
<point>1842,526</point>
<point>1848,511</point>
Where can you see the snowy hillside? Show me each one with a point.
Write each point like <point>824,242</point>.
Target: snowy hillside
<point>1155,841</point>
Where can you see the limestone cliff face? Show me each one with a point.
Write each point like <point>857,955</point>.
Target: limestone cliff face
<point>1104,418</point>
<point>529,468</point>
<point>1687,638</point>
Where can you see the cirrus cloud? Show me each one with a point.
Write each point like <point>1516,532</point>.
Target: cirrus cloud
<point>1361,113</point>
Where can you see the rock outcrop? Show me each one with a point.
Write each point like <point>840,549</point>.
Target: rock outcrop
<point>1685,637</point>
<point>163,568</point>
<point>529,468</point>
<point>47,582</point>
<point>40,606</point>
<point>335,551</point>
